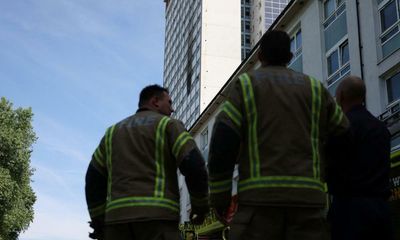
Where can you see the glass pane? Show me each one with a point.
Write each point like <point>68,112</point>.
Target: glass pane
<point>389,34</point>
<point>333,63</point>
<point>393,87</point>
<point>298,40</point>
<point>329,8</point>
<point>345,53</point>
<point>395,141</point>
<point>292,46</point>
<point>388,15</point>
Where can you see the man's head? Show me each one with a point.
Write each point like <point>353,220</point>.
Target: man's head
<point>275,49</point>
<point>156,98</point>
<point>350,92</point>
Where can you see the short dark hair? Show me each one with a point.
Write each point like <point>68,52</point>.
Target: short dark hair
<point>150,91</point>
<point>275,48</point>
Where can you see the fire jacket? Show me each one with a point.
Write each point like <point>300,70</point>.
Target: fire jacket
<point>133,173</point>
<point>273,124</point>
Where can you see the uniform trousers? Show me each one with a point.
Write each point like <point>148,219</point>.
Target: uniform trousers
<point>279,223</point>
<point>149,230</point>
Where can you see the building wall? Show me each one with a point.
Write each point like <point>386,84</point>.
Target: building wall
<point>367,59</point>
<point>199,57</point>
<point>263,14</point>
<point>246,28</point>
<point>182,57</point>
<point>221,46</point>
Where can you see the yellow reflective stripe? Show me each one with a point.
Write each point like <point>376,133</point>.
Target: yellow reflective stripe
<point>143,202</point>
<point>97,211</point>
<point>315,114</point>
<point>394,155</point>
<point>233,113</point>
<point>337,116</point>
<point>180,142</point>
<point>98,156</point>
<point>251,113</point>
<point>393,165</point>
<point>160,171</point>
<point>220,186</point>
<point>108,143</point>
<point>281,181</point>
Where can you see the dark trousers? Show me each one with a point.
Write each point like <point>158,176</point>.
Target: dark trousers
<point>354,218</point>
<point>278,223</point>
<point>150,230</point>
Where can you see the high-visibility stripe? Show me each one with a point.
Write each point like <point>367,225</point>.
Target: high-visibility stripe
<point>394,155</point>
<point>337,116</point>
<point>281,181</point>
<point>160,170</point>
<point>97,211</point>
<point>315,115</point>
<point>251,113</point>
<point>220,186</point>
<point>143,202</point>
<point>108,143</point>
<point>98,156</point>
<point>233,113</point>
<point>180,142</point>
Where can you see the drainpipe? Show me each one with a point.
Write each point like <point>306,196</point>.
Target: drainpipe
<point>360,47</point>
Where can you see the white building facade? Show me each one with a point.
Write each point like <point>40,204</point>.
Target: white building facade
<point>202,49</point>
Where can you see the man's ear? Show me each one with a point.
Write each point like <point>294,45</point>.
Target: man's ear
<point>154,101</point>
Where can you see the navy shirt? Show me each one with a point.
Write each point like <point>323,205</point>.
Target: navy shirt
<point>359,160</point>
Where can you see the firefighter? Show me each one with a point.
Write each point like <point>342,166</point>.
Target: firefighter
<point>273,124</point>
<point>131,183</point>
<point>358,170</point>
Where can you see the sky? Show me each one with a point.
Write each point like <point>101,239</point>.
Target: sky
<point>80,65</point>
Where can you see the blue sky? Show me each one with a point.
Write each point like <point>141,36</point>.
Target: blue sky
<point>80,65</point>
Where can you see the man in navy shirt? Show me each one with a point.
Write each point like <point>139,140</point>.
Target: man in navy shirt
<point>358,170</point>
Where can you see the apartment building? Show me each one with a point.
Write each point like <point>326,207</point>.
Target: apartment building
<point>331,39</point>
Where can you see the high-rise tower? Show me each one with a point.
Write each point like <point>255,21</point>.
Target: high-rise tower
<point>202,49</point>
<point>263,14</point>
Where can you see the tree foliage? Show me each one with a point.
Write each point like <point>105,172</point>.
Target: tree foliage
<point>16,195</point>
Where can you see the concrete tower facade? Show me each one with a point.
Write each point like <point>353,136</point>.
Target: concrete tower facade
<point>202,48</point>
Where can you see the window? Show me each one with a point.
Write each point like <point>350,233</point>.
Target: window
<point>389,12</point>
<point>204,138</point>
<point>338,64</point>
<point>332,9</point>
<point>247,25</point>
<point>338,58</point>
<point>247,12</point>
<point>393,87</point>
<point>247,39</point>
<point>295,44</point>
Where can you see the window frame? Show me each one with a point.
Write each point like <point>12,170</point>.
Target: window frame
<point>298,50</point>
<point>394,73</point>
<point>340,8</point>
<point>204,138</point>
<point>343,68</point>
<point>383,34</point>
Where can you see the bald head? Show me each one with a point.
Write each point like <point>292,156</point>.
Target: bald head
<point>350,92</point>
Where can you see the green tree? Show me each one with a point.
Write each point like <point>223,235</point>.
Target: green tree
<point>16,195</point>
